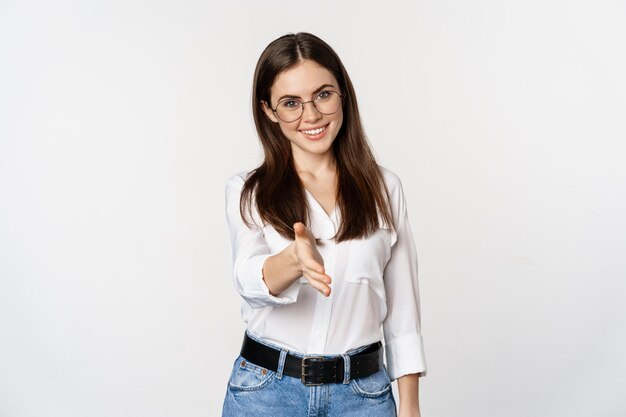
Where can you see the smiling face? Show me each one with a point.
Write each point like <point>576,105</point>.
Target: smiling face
<point>313,134</point>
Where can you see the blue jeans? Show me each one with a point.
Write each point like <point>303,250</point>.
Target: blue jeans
<point>256,391</point>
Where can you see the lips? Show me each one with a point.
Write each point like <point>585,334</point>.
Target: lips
<point>314,130</point>
<point>315,133</point>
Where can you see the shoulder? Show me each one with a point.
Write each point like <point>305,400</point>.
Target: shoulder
<point>238,179</point>
<point>395,191</point>
<point>234,186</point>
<point>233,190</point>
<point>392,181</point>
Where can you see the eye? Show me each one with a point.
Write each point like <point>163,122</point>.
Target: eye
<point>290,104</point>
<point>323,95</point>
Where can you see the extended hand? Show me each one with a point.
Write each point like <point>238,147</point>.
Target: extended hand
<point>310,260</point>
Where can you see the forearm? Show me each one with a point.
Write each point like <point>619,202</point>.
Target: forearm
<point>408,390</point>
<point>281,270</point>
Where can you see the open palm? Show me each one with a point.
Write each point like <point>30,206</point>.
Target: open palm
<point>310,259</point>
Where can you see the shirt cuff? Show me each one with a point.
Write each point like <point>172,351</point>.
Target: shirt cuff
<point>257,295</point>
<point>405,355</point>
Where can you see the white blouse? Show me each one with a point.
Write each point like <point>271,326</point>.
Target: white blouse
<point>374,283</point>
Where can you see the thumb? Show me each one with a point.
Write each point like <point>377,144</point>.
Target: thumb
<point>298,228</point>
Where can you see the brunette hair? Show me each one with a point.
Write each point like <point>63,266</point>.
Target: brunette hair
<point>277,188</point>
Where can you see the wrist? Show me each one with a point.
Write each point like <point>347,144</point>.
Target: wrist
<point>412,408</point>
<point>408,410</point>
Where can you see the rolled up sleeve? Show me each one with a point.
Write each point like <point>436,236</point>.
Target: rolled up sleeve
<point>402,326</point>
<point>249,251</point>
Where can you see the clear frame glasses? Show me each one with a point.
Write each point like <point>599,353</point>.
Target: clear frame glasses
<point>291,109</point>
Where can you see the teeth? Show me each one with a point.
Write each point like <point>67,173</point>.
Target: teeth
<point>315,131</point>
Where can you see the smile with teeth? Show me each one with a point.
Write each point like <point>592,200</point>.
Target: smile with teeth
<point>314,131</point>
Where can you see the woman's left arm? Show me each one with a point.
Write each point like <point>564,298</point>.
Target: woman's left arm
<point>402,326</point>
<point>408,390</point>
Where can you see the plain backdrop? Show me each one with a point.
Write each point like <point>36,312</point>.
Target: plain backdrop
<point>120,122</point>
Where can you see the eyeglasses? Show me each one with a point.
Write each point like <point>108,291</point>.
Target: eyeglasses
<point>291,109</point>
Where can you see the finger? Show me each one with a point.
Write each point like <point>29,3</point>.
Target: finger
<point>299,228</point>
<point>301,231</point>
<point>323,278</point>
<point>312,265</point>
<point>319,286</point>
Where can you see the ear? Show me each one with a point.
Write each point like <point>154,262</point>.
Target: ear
<point>268,111</point>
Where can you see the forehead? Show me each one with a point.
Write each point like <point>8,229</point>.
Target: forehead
<point>302,80</point>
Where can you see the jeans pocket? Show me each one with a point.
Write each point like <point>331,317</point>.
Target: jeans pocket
<point>247,376</point>
<point>373,386</point>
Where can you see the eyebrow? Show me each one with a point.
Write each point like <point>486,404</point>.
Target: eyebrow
<point>317,90</point>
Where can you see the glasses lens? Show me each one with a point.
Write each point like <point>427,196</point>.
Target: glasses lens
<point>289,110</point>
<point>327,102</point>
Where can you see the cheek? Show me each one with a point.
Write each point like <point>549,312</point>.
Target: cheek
<point>339,115</point>
<point>339,121</point>
<point>288,131</point>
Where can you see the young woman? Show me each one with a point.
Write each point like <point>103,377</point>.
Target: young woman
<point>323,253</point>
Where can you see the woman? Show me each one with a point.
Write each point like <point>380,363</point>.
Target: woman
<point>323,253</point>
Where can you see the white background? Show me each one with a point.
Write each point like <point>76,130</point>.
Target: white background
<point>120,122</point>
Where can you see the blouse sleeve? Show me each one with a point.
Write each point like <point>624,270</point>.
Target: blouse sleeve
<point>249,251</point>
<point>402,329</point>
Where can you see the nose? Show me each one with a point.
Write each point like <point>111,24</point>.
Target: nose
<point>311,113</point>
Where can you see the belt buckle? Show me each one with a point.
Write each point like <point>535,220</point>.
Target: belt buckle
<point>305,365</point>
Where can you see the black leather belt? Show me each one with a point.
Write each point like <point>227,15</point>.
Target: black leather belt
<point>314,370</point>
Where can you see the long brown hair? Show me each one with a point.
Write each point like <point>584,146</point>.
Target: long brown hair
<point>278,191</point>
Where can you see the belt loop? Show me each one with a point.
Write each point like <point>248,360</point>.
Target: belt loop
<point>281,364</point>
<point>346,368</point>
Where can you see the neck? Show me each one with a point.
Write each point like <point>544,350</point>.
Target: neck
<point>315,165</point>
